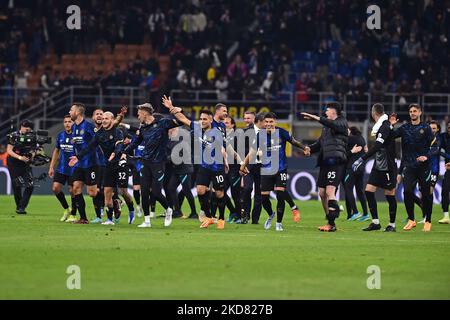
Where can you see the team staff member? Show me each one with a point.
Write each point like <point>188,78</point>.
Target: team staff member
<point>253,178</point>
<point>64,149</point>
<point>332,148</point>
<point>19,159</point>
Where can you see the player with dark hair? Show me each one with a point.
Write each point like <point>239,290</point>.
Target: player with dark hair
<point>384,171</point>
<point>254,124</point>
<point>355,179</point>
<point>64,149</point>
<point>271,144</point>
<point>153,133</point>
<point>416,152</point>
<point>332,148</point>
<point>233,178</point>
<point>213,158</point>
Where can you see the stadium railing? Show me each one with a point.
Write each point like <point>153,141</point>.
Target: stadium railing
<point>41,103</point>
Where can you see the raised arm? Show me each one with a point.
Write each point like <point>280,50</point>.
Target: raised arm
<point>120,116</point>
<point>176,112</point>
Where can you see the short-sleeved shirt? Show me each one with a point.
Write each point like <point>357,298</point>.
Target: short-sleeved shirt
<point>207,142</point>
<point>67,150</point>
<point>272,143</point>
<point>82,135</point>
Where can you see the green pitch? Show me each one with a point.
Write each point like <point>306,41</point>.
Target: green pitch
<point>240,262</point>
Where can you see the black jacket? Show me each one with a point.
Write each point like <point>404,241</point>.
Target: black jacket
<point>332,144</point>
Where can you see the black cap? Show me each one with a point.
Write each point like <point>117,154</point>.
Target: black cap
<point>27,124</point>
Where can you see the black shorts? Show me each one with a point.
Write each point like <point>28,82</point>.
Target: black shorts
<point>331,175</point>
<point>123,174</point>
<point>383,179</point>
<point>87,175</point>
<point>206,176</point>
<point>277,180</point>
<point>62,178</point>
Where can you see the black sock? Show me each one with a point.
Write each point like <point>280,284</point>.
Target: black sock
<point>221,205</point>
<point>333,211</point>
<point>289,200</point>
<point>229,204</point>
<point>74,206</point>
<point>97,209</point>
<point>137,196</point>
<point>372,202</point>
<point>130,206</point>
<point>267,205</point>
<point>62,199</point>
<point>110,213</point>
<point>280,205</point>
<point>81,206</point>
<point>392,208</point>
<point>214,204</point>
<point>203,199</point>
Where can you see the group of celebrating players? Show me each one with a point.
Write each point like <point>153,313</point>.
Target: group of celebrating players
<point>168,155</point>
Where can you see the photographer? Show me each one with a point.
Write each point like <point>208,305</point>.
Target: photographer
<point>19,161</point>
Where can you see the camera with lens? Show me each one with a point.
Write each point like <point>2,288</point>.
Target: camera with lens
<point>30,144</point>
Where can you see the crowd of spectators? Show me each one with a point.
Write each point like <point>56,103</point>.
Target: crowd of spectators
<point>249,47</point>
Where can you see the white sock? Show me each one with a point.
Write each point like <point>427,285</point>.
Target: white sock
<point>376,221</point>
<point>147,219</point>
<point>169,211</point>
<point>392,224</point>
<point>445,214</point>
